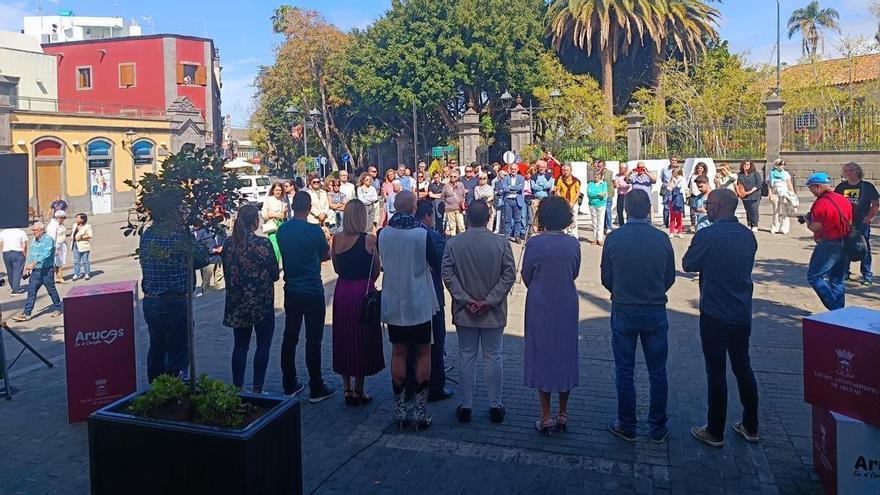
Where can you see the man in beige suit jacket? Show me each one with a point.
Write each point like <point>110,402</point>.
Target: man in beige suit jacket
<point>479,271</point>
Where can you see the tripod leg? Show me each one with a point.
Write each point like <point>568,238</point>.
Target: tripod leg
<point>28,347</point>
<point>4,369</point>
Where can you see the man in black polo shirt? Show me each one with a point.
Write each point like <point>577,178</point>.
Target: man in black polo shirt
<point>866,201</point>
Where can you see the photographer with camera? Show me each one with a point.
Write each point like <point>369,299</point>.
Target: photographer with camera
<point>830,220</point>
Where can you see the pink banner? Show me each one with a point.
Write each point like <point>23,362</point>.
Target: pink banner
<point>99,346</point>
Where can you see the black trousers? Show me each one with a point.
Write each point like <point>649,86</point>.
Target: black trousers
<point>621,208</point>
<point>721,339</point>
<point>438,357</point>
<point>14,261</point>
<point>298,307</point>
<point>751,207</point>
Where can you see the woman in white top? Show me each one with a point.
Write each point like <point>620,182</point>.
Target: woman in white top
<point>81,247</point>
<point>320,212</point>
<point>485,192</point>
<point>274,213</point>
<point>368,196</point>
<point>782,197</point>
<point>58,231</point>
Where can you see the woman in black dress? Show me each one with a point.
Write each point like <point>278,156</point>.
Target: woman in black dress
<point>749,190</point>
<point>357,346</point>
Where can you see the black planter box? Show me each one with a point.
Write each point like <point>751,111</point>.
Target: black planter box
<point>133,455</point>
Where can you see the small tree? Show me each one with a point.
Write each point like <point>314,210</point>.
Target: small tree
<point>196,185</point>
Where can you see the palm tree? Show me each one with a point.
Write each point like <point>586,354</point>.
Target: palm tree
<point>279,18</point>
<point>688,25</point>
<point>810,21</point>
<point>609,26</point>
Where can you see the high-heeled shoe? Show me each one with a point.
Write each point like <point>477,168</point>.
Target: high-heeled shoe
<point>545,425</point>
<point>349,398</point>
<point>561,422</point>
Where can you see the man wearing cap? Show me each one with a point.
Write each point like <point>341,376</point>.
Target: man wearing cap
<point>830,220</point>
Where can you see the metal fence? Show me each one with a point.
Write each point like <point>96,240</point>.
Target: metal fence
<point>586,150</point>
<point>84,107</point>
<point>726,140</point>
<point>846,129</point>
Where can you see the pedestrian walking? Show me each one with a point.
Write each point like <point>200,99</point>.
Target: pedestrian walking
<point>748,185</point>
<point>40,267</point>
<point>303,248</point>
<point>409,302</point>
<point>866,202</point>
<point>58,232</point>
<point>597,200</point>
<point>166,248</point>
<point>479,271</point>
<point>15,251</point>
<point>674,197</point>
<point>453,195</point>
<point>724,256</point>
<point>782,197</point>
<point>638,312</point>
<point>357,345</point>
<point>550,265</point>
<point>250,271</point>
<point>830,221</point>
<point>81,247</point>
<point>58,205</point>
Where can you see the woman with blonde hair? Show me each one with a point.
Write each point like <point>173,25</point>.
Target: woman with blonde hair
<point>367,195</point>
<point>725,179</point>
<point>274,213</point>
<point>357,346</point>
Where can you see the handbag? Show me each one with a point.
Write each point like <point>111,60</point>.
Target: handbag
<point>270,227</point>
<point>854,245</point>
<point>765,186</point>
<point>371,304</point>
<point>740,190</point>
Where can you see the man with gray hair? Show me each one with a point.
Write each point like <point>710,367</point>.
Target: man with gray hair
<point>40,267</point>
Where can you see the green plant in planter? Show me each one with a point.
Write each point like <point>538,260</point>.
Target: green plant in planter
<point>212,403</point>
<point>191,192</point>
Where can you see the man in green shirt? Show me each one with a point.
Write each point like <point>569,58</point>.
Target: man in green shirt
<point>303,248</point>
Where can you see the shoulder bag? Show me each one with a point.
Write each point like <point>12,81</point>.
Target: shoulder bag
<point>854,245</point>
<point>371,304</point>
<point>270,227</point>
<point>765,186</point>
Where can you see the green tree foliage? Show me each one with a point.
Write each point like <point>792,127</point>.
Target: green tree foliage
<point>810,21</point>
<point>443,55</point>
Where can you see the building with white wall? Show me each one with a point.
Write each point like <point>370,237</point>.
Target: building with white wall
<point>69,27</point>
<point>28,77</point>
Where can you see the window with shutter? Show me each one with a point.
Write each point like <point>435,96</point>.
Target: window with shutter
<point>179,73</point>
<point>187,73</point>
<point>83,78</point>
<point>126,75</point>
<point>201,76</point>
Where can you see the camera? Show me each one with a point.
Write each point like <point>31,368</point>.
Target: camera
<point>2,282</point>
<point>802,219</point>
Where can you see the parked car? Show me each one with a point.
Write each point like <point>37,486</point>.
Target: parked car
<point>254,188</point>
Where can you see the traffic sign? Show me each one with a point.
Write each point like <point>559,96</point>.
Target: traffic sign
<point>346,157</point>
<point>509,157</point>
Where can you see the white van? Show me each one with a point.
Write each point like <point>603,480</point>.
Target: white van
<point>253,188</point>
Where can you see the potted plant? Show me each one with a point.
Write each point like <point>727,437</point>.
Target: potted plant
<point>202,436</point>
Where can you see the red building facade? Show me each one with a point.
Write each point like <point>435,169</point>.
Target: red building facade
<point>141,76</point>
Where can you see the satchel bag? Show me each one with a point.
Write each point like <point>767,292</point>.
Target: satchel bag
<point>765,186</point>
<point>270,227</point>
<point>740,190</point>
<point>854,245</point>
<point>371,304</point>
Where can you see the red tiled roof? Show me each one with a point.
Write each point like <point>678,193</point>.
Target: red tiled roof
<point>835,72</point>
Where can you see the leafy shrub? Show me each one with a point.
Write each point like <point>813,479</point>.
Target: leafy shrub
<point>164,391</point>
<point>218,403</point>
<point>213,402</point>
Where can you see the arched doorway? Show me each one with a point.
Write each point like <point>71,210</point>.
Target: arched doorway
<point>144,156</point>
<point>99,156</point>
<point>48,176</point>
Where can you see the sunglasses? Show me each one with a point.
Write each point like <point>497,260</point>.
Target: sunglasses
<point>316,182</point>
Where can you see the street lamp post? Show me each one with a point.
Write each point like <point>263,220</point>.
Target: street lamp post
<point>778,49</point>
<point>507,100</point>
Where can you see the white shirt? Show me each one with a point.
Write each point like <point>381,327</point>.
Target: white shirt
<point>779,180</point>
<point>320,205</point>
<point>13,240</point>
<point>57,231</point>
<point>347,188</point>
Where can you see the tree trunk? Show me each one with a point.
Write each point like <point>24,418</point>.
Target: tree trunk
<point>607,56</point>
<point>190,324</point>
<point>657,62</point>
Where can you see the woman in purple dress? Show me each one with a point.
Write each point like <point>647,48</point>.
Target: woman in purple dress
<point>550,264</point>
<point>357,346</point>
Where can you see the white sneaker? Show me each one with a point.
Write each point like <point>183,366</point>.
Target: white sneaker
<point>755,229</point>
<point>671,235</point>
<point>679,235</point>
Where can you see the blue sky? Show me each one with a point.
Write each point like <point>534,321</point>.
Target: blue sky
<point>242,30</point>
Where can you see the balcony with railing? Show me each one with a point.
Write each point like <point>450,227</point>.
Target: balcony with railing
<point>31,104</point>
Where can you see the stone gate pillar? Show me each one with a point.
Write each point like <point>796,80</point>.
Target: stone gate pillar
<point>404,151</point>
<point>773,126</point>
<point>468,136</point>
<point>634,135</point>
<point>520,127</point>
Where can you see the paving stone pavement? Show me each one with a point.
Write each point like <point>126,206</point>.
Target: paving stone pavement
<point>43,454</point>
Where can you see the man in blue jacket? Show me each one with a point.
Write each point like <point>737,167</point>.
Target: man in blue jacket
<point>510,190</point>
